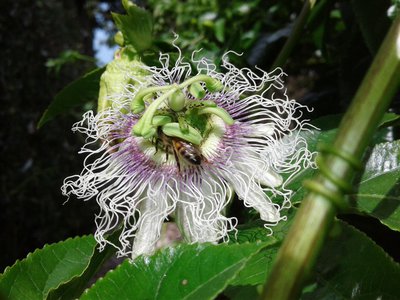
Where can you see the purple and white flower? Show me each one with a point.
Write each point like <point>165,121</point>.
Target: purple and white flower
<point>251,137</point>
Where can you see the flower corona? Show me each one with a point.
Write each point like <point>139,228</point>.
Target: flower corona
<point>179,140</point>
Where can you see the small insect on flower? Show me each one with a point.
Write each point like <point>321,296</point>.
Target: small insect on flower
<point>181,149</point>
<point>178,142</point>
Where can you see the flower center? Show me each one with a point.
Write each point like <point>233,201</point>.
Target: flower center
<point>176,119</point>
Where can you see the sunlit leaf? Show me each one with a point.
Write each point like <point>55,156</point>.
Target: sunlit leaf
<point>76,93</point>
<point>182,272</point>
<point>74,287</point>
<point>58,271</point>
<point>378,192</point>
<point>325,134</point>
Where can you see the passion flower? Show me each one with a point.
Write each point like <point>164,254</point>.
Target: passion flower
<point>178,142</point>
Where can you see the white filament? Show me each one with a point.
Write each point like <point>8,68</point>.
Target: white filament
<point>137,190</point>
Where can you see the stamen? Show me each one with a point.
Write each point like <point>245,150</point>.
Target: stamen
<point>193,135</point>
<point>218,111</point>
<point>212,84</point>
<point>137,104</point>
<point>144,126</point>
<point>197,91</point>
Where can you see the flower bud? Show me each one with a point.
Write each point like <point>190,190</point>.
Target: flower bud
<point>119,38</point>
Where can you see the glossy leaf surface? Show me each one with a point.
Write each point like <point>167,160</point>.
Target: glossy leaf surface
<point>182,272</point>
<point>378,192</point>
<point>46,269</point>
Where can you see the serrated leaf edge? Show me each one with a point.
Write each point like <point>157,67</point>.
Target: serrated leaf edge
<point>28,256</point>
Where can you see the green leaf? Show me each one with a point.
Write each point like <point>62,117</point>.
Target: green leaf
<point>46,269</point>
<point>67,57</point>
<point>258,267</point>
<point>256,270</point>
<point>378,192</point>
<point>136,27</point>
<point>219,29</point>
<point>326,132</point>
<point>389,119</point>
<point>242,292</point>
<point>372,18</point>
<point>74,288</point>
<point>76,93</point>
<point>352,266</point>
<point>182,272</point>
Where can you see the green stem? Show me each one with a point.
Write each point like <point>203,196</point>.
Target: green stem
<point>304,241</point>
<point>295,35</point>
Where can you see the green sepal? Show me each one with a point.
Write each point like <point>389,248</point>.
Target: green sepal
<point>114,80</point>
<point>197,90</point>
<point>119,39</point>
<point>173,129</point>
<point>218,111</point>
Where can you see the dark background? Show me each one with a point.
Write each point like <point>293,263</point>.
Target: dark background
<point>325,70</point>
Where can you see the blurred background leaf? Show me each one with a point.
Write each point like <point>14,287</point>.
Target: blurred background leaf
<point>67,57</point>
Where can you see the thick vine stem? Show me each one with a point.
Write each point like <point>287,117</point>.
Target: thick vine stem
<point>304,241</point>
